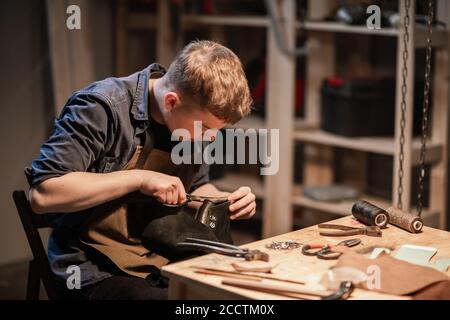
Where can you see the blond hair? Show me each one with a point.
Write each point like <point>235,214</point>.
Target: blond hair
<point>211,75</point>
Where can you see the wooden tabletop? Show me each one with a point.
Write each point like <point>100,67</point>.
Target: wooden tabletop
<point>185,283</point>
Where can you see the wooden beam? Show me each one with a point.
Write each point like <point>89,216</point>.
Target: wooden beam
<point>121,38</point>
<point>440,134</point>
<point>317,168</point>
<point>278,216</point>
<point>164,38</point>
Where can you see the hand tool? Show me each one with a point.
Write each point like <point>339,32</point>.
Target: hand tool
<point>344,291</point>
<point>138,197</point>
<point>341,231</point>
<point>247,268</point>
<point>235,274</point>
<point>196,198</point>
<point>326,252</point>
<point>226,274</point>
<point>222,248</point>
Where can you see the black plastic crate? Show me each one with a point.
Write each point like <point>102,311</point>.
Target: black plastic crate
<point>358,107</point>
<point>365,107</point>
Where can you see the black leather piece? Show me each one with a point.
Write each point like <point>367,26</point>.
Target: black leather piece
<point>138,216</point>
<point>211,222</point>
<point>217,218</point>
<point>161,235</point>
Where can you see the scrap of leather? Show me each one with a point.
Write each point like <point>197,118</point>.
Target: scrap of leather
<point>436,291</point>
<point>396,277</point>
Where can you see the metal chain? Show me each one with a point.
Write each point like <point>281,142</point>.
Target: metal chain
<point>426,105</point>
<point>403,104</point>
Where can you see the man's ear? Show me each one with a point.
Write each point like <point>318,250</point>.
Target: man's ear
<point>171,101</point>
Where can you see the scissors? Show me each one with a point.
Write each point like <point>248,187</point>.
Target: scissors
<point>195,198</point>
<point>325,251</point>
<point>141,198</point>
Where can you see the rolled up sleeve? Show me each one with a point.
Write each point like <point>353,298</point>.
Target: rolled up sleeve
<point>79,137</point>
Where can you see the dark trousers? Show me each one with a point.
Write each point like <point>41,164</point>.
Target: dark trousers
<point>120,287</point>
<point>126,288</point>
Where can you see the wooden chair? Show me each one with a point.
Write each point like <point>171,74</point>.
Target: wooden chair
<point>39,267</point>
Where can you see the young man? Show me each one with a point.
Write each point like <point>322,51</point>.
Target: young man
<point>96,155</point>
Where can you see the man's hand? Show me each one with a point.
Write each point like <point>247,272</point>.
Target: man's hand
<point>165,188</point>
<point>243,205</point>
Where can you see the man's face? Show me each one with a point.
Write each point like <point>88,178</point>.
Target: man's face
<point>181,115</point>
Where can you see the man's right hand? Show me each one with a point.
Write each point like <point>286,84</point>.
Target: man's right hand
<point>165,188</point>
<point>78,191</point>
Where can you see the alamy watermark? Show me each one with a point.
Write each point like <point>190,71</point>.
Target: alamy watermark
<point>73,21</point>
<point>74,280</point>
<point>373,281</point>
<point>259,147</point>
<point>374,20</point>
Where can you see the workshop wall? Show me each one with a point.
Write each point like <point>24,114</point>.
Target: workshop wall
<point>26,112</point>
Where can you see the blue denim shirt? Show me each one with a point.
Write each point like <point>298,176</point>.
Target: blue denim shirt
<point>98,130</point>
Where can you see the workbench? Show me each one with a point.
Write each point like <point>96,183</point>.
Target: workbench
<point>185,283</point>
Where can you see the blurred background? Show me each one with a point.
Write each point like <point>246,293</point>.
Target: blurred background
<point>335,99</point>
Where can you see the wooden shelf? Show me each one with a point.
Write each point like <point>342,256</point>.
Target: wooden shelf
<point>339,208</point>
<point>342,208</point>
<point>380,145</point>
<point>232,181</point>
<point>439,36</point>
<point>263,21</point>
<point>225,20</point>
<point>257,122</point>
<point>343,28</point>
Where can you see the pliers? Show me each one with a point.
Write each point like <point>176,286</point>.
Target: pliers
<point>222,248</point>
<point>342,231</point>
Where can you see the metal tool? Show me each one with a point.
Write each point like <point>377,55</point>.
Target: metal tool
<point>341,231</point>
<point>196,198</point>
<point>240,275</point>
<point>222,248</point>
<point>343,292</point>
<point>325,251</point>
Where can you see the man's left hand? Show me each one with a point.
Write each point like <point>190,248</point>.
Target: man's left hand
<point>243,205</point>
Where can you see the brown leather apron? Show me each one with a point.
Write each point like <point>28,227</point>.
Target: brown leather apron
<point>108,228</point>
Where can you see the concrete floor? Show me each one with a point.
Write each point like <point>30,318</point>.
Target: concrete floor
<point>13,280</point>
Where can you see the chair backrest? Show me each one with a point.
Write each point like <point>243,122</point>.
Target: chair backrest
<point>31,223</point>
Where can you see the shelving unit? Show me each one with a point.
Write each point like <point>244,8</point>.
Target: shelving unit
<point>320,64</point>
<point>278,191</point>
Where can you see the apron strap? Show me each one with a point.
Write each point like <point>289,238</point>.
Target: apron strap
<point>147,148</point>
